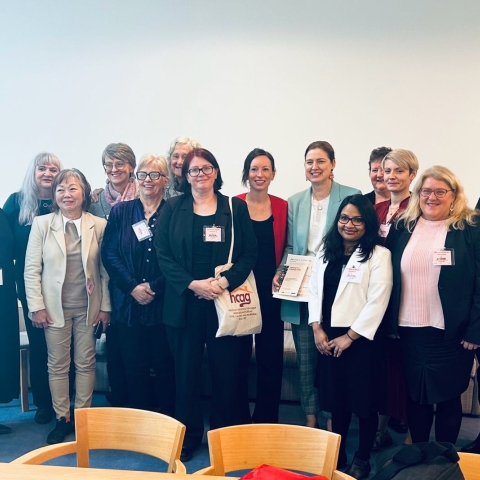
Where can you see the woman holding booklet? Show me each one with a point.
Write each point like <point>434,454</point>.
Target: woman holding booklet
<point>310,215</point>
<point>348,294</point>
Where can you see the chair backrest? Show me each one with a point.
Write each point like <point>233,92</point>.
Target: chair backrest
<point>470,465</point>
<point>285,446</point>
<point>128,429</point>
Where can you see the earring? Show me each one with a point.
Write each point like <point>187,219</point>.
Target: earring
<point>451,208</point>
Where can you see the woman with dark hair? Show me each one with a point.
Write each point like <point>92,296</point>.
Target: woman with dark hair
<point>380,193</point>
<point>348,294</point>
<point>269,219</point>
<point>33,200</point>
<point>193,238</point>
<point>435,304</point>
<point>67,292</point>
<point>310,215</point>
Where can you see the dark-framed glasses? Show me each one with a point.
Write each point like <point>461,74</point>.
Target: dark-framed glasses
<point>195,171</point>
<point>152,175</point>
<point>108,166</point>
<point>356,221</point>
<point>438,192</point>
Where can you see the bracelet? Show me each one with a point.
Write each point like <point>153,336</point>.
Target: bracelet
<point>352,339</point>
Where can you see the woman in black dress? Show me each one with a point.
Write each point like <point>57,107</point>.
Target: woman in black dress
<point>348,295</point>
<point>269,219</point>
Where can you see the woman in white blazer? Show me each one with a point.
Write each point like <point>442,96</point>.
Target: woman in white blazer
<point>349,292</point>
<point>67,291</point>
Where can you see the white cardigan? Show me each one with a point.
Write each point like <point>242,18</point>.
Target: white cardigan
<point>360,306</point>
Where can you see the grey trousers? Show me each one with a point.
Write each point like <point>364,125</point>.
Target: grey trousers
<point>307,358</point>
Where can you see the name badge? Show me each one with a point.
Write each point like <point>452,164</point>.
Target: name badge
<point>444,256</point>
<point>213,234</point>
<point>353,275</point>
<point>142,230</point>
<point>384,229</point>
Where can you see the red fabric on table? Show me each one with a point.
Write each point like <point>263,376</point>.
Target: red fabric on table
<point>267,472</point>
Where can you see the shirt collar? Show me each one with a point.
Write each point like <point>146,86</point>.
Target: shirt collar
<point>77,222</point>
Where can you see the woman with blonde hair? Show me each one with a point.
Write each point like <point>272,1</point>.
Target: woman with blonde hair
<point>33,200</point>
<point>137,287</point>
<point>435,303</point>
<point>176,154</point>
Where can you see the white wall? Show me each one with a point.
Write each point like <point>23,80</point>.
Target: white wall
<point>79,74</point>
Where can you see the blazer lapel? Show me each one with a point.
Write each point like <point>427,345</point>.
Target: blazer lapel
<point>87,237</point>
<point>58,233</point>
<point>303,222</point>
<point>333,204</point>
<point>222,219</point>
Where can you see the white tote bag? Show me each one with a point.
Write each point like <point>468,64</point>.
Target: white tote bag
<point>238,311</point>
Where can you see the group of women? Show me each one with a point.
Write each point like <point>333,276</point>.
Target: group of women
<point>142,265</point>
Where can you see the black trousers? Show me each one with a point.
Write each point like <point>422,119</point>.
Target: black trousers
<point>117,377</point>
<point>42,397</point>
<point>188,344</point>
<point>144,347</point>
<point>269,359</point>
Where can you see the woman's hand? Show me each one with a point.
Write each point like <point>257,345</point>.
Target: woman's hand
<point>468,345</point>
<point>95,195</point>
<point>321,340</point>
<point>340,344</point>
<point>41,319</point>
<point>275,284</point>
<point>103,317</point>
<point>143,294</point>
<point>204,289</point>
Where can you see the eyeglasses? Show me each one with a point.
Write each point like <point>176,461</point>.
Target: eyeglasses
<point>438,192</point>
<point>151,175</point>
<point>195,171</point>
<point>356,221</point>
<point>108,166</point>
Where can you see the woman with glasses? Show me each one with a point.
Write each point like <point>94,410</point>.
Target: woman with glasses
<point>310,214</point>
<point>348,294</point>
<point>119,163</point>
<point>400,168</point>
<point>33,200</point>
<point>435,304</point>
<point>137,287</point>
<point>177,152</point>
<point>193,238</point>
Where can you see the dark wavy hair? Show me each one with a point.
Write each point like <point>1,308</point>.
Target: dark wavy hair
<point>256,152</point>
<point>208,156</point>
<point>333,241</point>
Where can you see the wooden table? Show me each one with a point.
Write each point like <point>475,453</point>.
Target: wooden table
<point>47,472</point>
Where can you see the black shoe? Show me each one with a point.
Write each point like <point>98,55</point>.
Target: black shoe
<point>62,428</point>
<point>186,455</point>
<point>342,461</point>
<point>472,447</point>
<point>382,440</point>
<point>359,468</point>
<point>398,425</point>
<point>43,415</point>
<point>4,429</point>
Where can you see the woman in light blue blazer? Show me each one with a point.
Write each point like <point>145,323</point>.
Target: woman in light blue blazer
<point>310,215</point>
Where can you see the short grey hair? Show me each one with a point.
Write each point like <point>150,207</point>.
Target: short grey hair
<point>158,161</point>
<point>191,143</point>
<point>119,151</point>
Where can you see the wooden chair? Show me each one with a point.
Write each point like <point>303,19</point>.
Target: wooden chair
<point>118,429</point>
<point>290,447</point>
<point>470,465</point>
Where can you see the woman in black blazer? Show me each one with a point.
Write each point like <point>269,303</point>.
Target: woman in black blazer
<point>435,303</point>
<point>188,260</point>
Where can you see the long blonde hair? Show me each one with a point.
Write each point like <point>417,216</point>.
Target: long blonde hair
<point>460,215</point>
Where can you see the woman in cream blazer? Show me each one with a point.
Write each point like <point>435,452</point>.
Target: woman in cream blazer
<point>348,294</point>
<point>67,291</point>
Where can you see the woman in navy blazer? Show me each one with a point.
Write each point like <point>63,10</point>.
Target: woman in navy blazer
<point>310,215</point>
<point>188,260</point>
<point>137,288</point>
<point>438,352</point>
